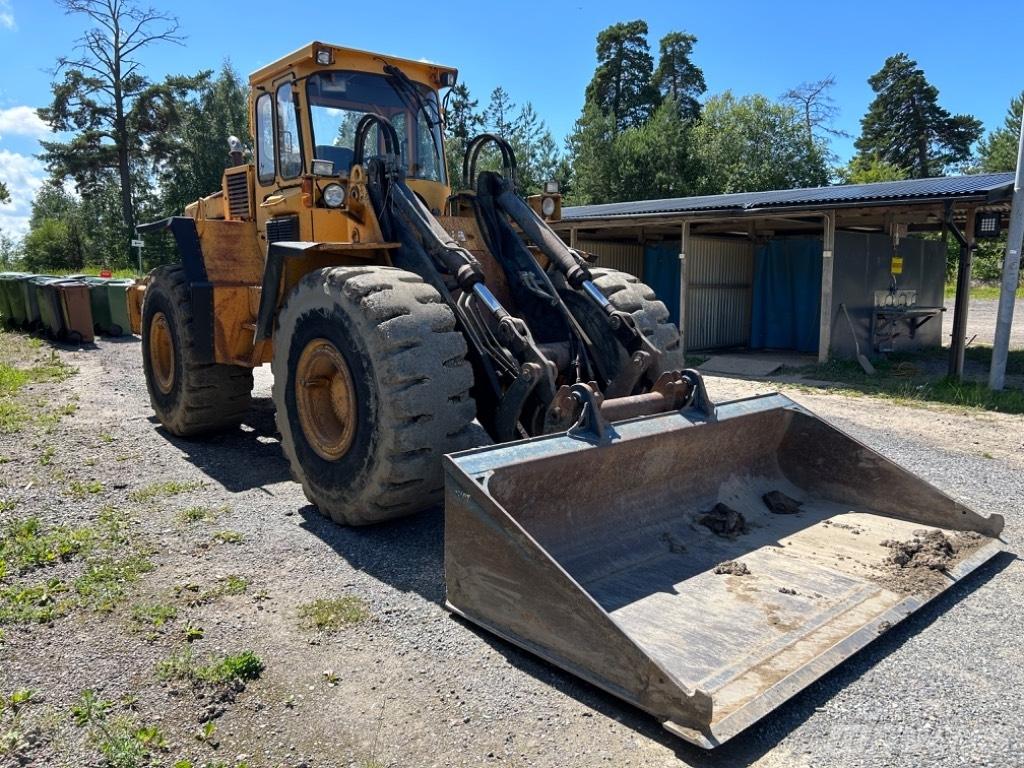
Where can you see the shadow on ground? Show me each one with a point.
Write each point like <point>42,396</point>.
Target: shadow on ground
<point>408,554</point>
<point>241,459</point>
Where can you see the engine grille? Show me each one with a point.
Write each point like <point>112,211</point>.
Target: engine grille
<point>238,195</point>
<point>282,228</point>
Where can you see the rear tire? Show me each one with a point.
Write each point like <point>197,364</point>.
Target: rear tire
<point>190,398</point>
<point>628,294</point>
<point>371,387</point>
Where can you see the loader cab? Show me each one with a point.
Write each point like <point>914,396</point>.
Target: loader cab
<point>304,111</point>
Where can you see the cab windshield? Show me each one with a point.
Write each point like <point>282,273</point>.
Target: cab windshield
<point>339,99</point>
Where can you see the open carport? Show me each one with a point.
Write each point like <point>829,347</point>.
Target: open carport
<point>775,270</point>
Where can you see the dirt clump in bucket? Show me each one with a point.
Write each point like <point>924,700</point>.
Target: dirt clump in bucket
<point>779,503</point>
<point>724,521</point>
<point>928,549</point>
<point>918,565</point>
<point>732,568</point>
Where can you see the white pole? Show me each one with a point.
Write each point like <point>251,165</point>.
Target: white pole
<point>1011,275</point>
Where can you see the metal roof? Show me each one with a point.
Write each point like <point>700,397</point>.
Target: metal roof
<point>984,186</point>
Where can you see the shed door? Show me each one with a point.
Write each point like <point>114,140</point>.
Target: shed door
<point>719,292</point>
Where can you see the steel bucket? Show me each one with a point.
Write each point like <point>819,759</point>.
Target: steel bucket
<point>601,557</point>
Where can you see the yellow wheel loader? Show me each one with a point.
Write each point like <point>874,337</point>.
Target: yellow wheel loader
<point>703,562</point>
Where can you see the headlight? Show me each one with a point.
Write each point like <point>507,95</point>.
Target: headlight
<point>334,195</point>
<point>547,206</point>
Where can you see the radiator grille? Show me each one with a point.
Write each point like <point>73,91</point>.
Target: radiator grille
<point>282,228</point>
<point>238,195</point>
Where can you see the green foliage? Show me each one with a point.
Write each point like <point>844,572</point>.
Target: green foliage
<point>5,195</point>
<point>331,614</point>
<point>199,143</point>
<point>622,86</point>
<point>751,144</point>
<point>121,740</point>
<point>998,150</point>
<point>905,125</point>
<point>677,77</point>
<point>181,665</point>
<point>864,169</point>
<point>163,489</point>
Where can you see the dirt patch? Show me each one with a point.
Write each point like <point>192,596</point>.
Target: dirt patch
<point>724,521</point>
<point>732,568</point>
<point>779,503</point>
<point>919,564</point>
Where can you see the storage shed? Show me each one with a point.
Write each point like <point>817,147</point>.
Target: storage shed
<point>774,270</point>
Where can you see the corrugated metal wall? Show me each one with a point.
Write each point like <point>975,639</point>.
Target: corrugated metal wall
<point>719,285</point>
<point>625,257</point>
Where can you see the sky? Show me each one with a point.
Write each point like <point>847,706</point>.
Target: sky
<point>543,52</point>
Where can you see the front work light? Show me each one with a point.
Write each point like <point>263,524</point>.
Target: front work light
<point>323,167</point>
<point>334,195</point>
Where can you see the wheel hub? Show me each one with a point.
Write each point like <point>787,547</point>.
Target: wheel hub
<point>325,399</point>
<point>161,352</point>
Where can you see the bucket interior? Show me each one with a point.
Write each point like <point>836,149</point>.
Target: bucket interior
<point>626,522</point>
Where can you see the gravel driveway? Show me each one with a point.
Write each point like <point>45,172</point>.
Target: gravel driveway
<point>413,686</point>
<point>981,322</point>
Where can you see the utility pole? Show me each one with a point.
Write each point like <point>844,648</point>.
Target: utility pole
<point>1011,275</point>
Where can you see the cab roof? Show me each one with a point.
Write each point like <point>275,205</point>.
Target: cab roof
<point>304,59</point>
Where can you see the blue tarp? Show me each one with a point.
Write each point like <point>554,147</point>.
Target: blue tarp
<point>661,272</point>
<point>787,295</point>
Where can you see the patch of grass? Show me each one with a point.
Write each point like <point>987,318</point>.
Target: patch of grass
<point>79,489</point>
<point>25,546</point>
<point>162,490</point>
<point>153,614</point>
<point>195,595</point>
<point>228,537</point>
<point>330,614</point>
<point>121,740</point>
<point>46,457</point>
<point>106,438</point>
<point>182,665</point>
<point>900,380</point>
<point>201,514</point>
<point>112,559</point>
<point>984,291</point>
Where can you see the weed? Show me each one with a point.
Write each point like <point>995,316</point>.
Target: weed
<point>195,595</point>
<point>153,614</point>
<point>331,678</point>
<point>228,537</point>
<point>182,665</point>
<point>27,546</point>
<point>193,633</point>
<point>106,438</point>
<point>46,456</point>
<point>331,614</point>
<point>6,505</point>
<point>162,490</point>
<point>79,490</point>
<point>122,741</point>
<point>14,739</point>
<point>200,514</point>
<point>207,733</point>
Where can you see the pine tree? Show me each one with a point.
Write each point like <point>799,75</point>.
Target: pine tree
<point>5,196</point>
<point>677,77</point>
<point>622,85</point>
<point>905,125</point>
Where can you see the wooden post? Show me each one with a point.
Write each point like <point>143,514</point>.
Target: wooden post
<point>684,245</point>
<point>963,297</point>
<point>827,258</point>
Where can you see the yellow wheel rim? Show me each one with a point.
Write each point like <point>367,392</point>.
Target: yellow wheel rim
<point>325,399</point>
<point>161,352</point>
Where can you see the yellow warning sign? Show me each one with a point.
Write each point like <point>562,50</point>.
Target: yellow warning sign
<point>897,265</point>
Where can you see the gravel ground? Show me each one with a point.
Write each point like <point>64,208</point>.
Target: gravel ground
<point>981,322</point>
<point>413,686</point>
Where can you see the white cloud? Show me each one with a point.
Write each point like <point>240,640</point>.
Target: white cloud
<point>6,14</point>
<point>22,121</point>
<point>23,175</point>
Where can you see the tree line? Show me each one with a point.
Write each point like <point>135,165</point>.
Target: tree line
<point>138,149</point>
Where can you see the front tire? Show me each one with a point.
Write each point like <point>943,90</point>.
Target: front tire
<point>371,387</point>
<point>190,398</point>
<point>627,294</point>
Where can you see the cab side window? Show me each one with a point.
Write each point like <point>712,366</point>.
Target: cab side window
<point>289,150</point>
<point>265,138</point>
